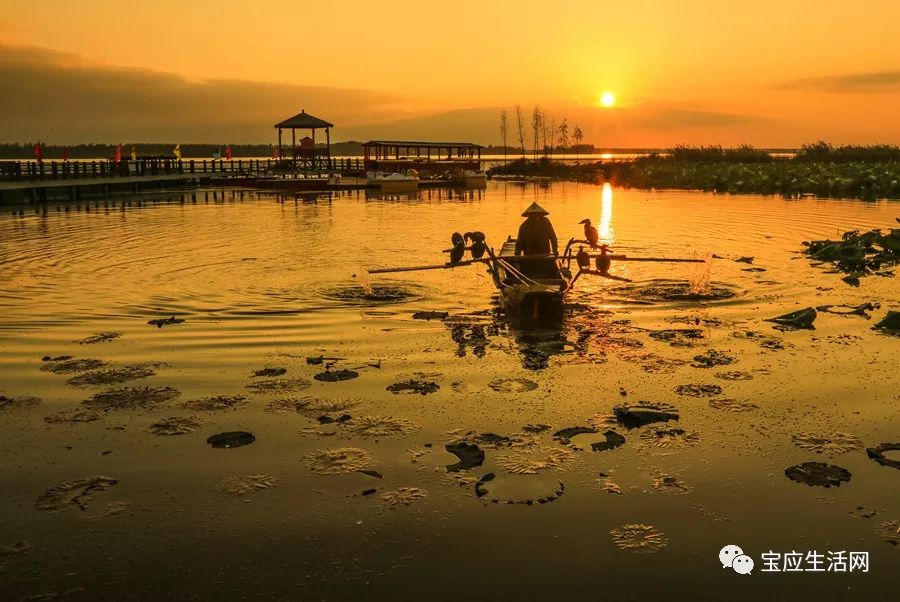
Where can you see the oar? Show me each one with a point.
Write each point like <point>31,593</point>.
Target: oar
<point>444,266</point>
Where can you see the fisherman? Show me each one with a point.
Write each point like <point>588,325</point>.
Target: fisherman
<point>536,235</point>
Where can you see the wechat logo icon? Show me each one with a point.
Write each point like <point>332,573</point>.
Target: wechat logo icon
<point>733,557</point>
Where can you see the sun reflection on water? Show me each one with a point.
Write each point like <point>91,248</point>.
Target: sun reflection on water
<point>606,201</point>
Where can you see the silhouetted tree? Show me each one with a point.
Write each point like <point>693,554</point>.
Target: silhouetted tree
<point>521,129</point>
<point>537,124</point>
<point>504,130</point>
<point>564,134</point>
<point>578,136</point>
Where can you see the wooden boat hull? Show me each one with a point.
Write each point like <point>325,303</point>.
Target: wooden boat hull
<point>532,286</point>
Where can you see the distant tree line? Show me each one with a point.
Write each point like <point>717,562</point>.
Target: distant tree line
<point>188,151</point>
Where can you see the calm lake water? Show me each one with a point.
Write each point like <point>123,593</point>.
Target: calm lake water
<point>268,281</point>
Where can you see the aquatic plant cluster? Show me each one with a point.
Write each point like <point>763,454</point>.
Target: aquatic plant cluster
<point>819,169</point>
<point>785,177</point>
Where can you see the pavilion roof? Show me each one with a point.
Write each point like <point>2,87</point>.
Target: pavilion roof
<point>414,143</point>
<point>304,121</point>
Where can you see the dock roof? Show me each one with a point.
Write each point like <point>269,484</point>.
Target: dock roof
<point>414,143</point>
<point>303,121</point>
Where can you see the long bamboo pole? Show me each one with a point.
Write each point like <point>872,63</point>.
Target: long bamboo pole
<point>444,266</point>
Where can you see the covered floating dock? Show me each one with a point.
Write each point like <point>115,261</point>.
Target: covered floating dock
<point>429,159</point>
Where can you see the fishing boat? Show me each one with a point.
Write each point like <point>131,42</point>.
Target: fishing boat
<point>535,283</point>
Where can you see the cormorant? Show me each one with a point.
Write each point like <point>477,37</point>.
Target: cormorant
<point>459,247</point>
<point>603,262</point>
<point>478,245</point>
<point>584,261</point>
<point>590,233</point>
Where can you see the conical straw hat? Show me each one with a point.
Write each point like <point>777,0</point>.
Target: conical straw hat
<point>535,209</point>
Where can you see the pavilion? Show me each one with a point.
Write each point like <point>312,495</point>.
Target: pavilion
<point>306,156</point>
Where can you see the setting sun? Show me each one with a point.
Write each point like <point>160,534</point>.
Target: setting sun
<point>607,99</point>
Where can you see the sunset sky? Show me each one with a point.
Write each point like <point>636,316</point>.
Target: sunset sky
<point>770,73</point>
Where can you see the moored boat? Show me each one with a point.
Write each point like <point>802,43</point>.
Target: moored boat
<point>394,182</point>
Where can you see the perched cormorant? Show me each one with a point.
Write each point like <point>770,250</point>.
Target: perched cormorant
<point>478,245</point>
<point>590,233</point>
<point>603,262</point>
<point>459,247</point>
<point>584,261</point>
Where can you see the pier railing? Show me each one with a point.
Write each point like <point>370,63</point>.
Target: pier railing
<point>36,171</point>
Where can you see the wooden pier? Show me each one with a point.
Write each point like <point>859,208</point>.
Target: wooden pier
<point>37,181</point>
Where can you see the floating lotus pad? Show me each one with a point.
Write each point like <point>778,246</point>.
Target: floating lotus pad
<point>513,385</point>
<point>430,315</point>
<point>678,337</point>
<point>712,358</point>
<point>333,376</point>
<point>268,372</point>
<point>831,444</point>
<point>215,403</point>
<point>535,461</point>
<point>889,531</point>
<point>639,538</point>
<point>101,337</point>
<point>675,290</point>
<point>469,454</point>
<point>525,489</point>
<point>72,416</point>
<point>565,435</point>
<point>670,484</point>
<point>24,402</point>
<point>244,485</point>
<point>818,474</point>
<point>66,364</point>
<point>802,318</point>
<point>374,294</point>
<point>338,460</point>
<point>858,253</point>
<point>131,398</point>
<point>73,493</point>
<point>170,321</point>
<point>890,324</point>
<point>403,496</point>
<point>612,440</point>
<point>698,390</point>
<point>176,425</point>
<point>669,437</point>
<point>849,310</point>
<point>877,454</point>
<point>380,427</point>
<point>633,416</point>
<point>231,439</point>
<point>763,340</point>
<point>413,386</point>
<point>111,376</point>
<point>734,375</point>
<point>279,385</point>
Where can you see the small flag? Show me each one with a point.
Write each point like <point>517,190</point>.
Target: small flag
<point>177,151</point>
<point>133,153</point>
<point>228,152</point>
<point>65,155</point>
<point>38,153</point>
<point>118,153</point>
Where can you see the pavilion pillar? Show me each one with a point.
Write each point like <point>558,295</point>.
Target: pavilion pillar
<point>294,148</point>
<point>328,146</point>
<point>279,144</point>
